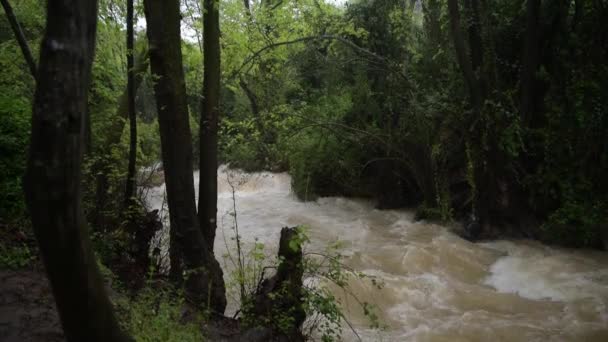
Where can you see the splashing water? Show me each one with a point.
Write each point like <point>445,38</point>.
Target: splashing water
<point>438,287</point>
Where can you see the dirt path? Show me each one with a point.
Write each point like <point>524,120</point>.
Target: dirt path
<point>27,309</point>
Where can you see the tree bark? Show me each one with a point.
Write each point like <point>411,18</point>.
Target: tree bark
<point>207,195</point>
<point>130,185</point>
<point>52,179</point>
<point>25,49</point>
<point>481,189</point>
<point>112,139</point>
<point>281,295</point>
<point>530,61</point>
<point>205,283</point>
<point>474,31</point>
<point>461,54</point>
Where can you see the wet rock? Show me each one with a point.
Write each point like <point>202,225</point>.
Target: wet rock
<point>472,228</point>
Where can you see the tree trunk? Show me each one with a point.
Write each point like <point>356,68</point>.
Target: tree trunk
<point>481,189</point>
<point>474,31</point>
<point>280,296</point>
<point>463,60</point>
<point>205,283</point>
<point>52,179</point>
<point>530,61</point>
<point>112,139</point>
<point>207,195</point>
<point>130,186</point>
<point>25,49</point>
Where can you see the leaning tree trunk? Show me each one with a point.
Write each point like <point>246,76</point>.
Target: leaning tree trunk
<point>25,49</point>
<point>207,195</point>
<point>52,179</point>
<point>205,281</point>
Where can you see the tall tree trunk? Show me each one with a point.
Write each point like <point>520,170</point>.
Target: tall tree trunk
<point>207,195</point>
<point>530,61</point>
<point>130,186</point>
<point>480,188</point>
<point>432,24</point>
<point>474,31</point>
<point>461,54</point>
<point>52,179</point>
<point>25,49</point>
<point>205,281</point>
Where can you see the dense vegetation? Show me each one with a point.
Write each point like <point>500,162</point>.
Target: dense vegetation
<point>489,112</point>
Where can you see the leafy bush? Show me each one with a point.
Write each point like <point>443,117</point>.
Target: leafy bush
<point>578,224</point>
<point>15,257</point>
<point>14,137</point>
<point>156,316</point>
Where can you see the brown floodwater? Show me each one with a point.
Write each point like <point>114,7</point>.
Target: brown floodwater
<point>437,286</point>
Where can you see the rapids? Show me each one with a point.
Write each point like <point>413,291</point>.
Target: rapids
<point>438,287</point>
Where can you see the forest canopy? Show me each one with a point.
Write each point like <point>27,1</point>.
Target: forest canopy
<point>434,104</point>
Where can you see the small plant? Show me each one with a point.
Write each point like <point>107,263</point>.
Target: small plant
<point>15,257</point>
<point>324,310</point>
<point>156,315</point>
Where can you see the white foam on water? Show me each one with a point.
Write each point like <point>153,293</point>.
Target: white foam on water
<point>548,276</point>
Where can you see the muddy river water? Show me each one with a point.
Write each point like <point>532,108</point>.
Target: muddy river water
<point>437,286</point>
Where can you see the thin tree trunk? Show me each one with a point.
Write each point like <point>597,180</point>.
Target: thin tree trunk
<point>247,8</point>
<point>481,190</point>
<point>530,61</point>
<point>474,31</point>
<point>25,49</point>
<point>461,54</point>
<point>112,139</point>
<point>52,179</point>
<point>207,200</point>
<point>130,186</point>
<point>205,283</point>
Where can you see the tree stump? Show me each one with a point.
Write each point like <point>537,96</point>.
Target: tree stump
<point>278,303</point>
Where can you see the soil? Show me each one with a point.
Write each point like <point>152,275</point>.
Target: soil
<point>27,308</point>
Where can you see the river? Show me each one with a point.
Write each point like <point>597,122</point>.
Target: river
<point>437,286</point>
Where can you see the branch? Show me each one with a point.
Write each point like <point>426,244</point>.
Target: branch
<point>25,49</point>
<point>342,40</point>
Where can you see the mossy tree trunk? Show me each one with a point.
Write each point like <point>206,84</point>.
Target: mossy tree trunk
<point>52,180</point>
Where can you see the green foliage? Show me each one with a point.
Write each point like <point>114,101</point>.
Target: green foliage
<point>14,137</point>
<point>395,92</point>
<point>579,224</point>
<point>16,90</point>
<point>15,257</point>
<point>156,316</point>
